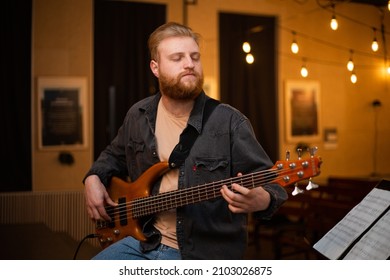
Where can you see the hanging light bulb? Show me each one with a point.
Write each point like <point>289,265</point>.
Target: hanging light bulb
<point>334,25</point>
<point>374,44</point>
<point>246,47</point>
<point>353,78</point>
<point>350,64</point>
<point>249,58</point>
<point>294,45</point>
<point>304,71</point>
<point>388,5</point>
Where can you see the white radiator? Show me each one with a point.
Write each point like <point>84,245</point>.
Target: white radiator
<point>61,211</point>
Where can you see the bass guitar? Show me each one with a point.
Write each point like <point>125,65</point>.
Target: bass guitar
<point>134,199</point>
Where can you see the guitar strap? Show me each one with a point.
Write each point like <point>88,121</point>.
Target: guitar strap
<point>188,137</point>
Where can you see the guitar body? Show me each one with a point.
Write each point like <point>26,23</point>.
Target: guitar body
<point>122,223</point>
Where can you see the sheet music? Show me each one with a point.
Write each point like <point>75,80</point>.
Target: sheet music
<point>375,245</point>
<point>342,235</point>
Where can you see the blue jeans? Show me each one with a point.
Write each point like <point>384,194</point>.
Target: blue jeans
<point>129,248</point>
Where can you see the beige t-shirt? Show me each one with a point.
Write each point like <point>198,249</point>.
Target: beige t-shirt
<point>168,130</point>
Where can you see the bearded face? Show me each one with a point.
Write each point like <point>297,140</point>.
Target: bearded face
<point>185,86</point>
<point>179,68</point>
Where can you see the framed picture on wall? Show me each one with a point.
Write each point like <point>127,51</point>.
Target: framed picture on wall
<point>302,111</point>
<point>62,113</point>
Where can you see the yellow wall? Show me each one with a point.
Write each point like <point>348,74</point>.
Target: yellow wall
<point>62,46</point>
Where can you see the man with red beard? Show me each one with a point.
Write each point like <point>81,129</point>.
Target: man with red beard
<point>225,147</point>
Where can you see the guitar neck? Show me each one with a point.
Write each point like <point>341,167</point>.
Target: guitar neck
<point>283,173</point>
<point>174,199</point>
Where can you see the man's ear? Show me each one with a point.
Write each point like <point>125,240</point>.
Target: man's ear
<point>154,67</point>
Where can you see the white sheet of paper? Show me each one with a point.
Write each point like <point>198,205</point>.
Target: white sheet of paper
<point>375,244</point>
<point>344,233</point>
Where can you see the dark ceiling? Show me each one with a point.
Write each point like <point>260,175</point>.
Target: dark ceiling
<point>372,2</point>
<point>376,3</point>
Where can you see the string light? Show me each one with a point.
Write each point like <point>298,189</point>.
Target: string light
<point>374,44</point>
<point>353,78</point>
<point>246,47</point>
<point>294,44</point>
<point>350,64</point>
<point>294,47</point>
<point>334,25</point>
<point>249,58</point>
<point>304,71</point>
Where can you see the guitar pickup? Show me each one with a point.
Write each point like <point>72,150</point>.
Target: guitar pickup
<point>122,211</point>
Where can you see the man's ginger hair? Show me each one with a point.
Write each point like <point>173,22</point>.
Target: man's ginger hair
<point>170,29</point>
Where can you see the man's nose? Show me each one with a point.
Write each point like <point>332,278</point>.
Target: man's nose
<point>188,62</point>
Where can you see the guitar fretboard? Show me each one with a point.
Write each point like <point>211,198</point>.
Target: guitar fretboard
<point>173,199</point>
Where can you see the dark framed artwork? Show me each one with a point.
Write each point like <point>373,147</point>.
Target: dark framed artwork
<point>62,113</point>
<point>302,111</point>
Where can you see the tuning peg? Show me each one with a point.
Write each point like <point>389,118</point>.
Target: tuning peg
<point>299,151</point>
<point>313,151</point>
<point>296,190</point>
<point>311,185</point>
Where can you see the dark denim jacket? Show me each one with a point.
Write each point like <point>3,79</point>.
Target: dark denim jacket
<point>226,146</point>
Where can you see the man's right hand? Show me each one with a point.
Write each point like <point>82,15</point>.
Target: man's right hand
<point>96,197</point>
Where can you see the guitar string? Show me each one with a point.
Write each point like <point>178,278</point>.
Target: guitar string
<point>143,202</point>
<point>142,206</point>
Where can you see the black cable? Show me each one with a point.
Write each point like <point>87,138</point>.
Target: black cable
<point>92,235</point>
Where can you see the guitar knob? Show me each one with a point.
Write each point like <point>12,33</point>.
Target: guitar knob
<point>311,185</point>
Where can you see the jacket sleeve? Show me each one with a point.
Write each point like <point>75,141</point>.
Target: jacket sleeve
<point>248,157</point>
<point>111,161</point>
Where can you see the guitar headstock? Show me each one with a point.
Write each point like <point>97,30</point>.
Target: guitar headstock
<point>293,171</point>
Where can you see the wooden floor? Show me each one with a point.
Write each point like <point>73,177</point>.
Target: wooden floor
<point>38,242</point>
